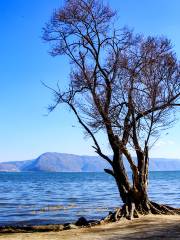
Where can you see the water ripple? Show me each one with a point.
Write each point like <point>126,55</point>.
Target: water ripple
<point>41,198</point>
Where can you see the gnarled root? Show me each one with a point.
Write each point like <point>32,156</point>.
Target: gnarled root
<point>130,211</point>
<point>163,209</point>
<point>127,211</point>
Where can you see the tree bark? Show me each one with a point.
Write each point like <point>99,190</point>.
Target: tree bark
<point>135,197</point>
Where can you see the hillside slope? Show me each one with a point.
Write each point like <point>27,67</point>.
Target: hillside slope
<point>61,162</point>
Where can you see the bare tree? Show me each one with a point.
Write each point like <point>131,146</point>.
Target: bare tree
<point>123,84</point>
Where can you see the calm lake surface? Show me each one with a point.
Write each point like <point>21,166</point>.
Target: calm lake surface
<point>42,198</point>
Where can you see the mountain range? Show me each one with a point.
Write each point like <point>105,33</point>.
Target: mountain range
<point>62,162</point>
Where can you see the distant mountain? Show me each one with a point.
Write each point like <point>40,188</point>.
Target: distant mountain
<point>56,162</point>
<point>61,162</point>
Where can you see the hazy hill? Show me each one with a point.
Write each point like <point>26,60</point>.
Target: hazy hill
<point>60,162</point>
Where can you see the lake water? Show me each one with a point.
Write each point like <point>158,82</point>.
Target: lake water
<point>42,198</point>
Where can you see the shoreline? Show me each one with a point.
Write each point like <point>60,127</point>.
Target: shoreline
<point>145,227</point>
<point>80,223</point>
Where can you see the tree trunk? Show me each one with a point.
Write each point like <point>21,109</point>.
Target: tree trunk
<point>120,176</point>
<point>135,200</point>
<point>135,197</point>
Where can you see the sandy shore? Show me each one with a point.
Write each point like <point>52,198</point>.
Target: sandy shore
<point>146,227</point>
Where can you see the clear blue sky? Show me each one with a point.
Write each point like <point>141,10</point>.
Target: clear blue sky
<point>25,132</point>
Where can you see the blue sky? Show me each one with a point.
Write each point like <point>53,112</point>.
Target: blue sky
<point>25,131</point>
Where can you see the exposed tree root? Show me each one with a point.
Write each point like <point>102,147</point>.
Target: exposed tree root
<point>131,211</point>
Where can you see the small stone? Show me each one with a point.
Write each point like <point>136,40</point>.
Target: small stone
<point>70,226</point>
<point>94,223</point>
<point>81,222</point>
<point>102,222</point>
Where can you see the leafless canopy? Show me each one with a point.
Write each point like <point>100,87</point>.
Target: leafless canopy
<point>117,76</point>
